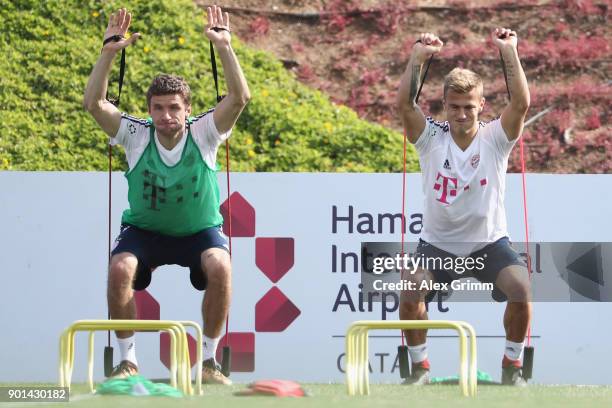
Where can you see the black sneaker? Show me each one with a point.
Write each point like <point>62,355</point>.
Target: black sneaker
<point>513,375</point>
<point>419,376</point>
<point>211,373</point>
<point>124,369</point>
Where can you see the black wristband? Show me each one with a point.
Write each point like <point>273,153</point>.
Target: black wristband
<point>217,29</point>
<point>114,38</point>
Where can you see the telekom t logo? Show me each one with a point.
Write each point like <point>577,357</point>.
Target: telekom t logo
<point>448,186</point>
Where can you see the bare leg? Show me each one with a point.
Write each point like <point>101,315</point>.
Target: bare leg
<point>215,305</point>
<point>516,321</point>
<point>414,311</point>
<point>120,294</point>
<point>514,282</point>
<point>412,306</point>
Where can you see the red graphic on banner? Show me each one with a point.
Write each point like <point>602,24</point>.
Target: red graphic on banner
<point>164,349</point>
<point>274,312</point>
<point>147,308</point>
<point>274,256</point>
<point>243,217</point>
<point>243,351</point>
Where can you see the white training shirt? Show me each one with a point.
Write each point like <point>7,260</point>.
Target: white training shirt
<point>133,135</point>
<point>463,190</point>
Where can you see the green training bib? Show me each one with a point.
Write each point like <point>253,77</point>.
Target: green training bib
<point>174,200</point>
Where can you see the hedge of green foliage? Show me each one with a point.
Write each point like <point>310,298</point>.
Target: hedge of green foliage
<point>49,48</point>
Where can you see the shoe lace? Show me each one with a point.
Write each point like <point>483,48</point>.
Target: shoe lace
<point>214,366</point>
<point>123,367</point>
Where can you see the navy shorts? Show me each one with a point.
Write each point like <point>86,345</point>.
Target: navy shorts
<point>153,249</point>
<point>497,255</point>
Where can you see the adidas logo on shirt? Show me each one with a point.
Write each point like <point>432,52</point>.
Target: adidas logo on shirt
<point>446,165</point>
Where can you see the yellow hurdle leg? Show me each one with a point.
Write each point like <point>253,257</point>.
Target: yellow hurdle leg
<point>366,359</point>
<point>66,362</point>
<point>183,358</point>
<point>60,365</point>
<point>62,360</point>
<point>181,364</point>
<point>359,361</point>
<point>356,362</point>
<point>173,362</point>
<point>356,344</point>
<point>198,332</point>
<point>463,362</point>
<point>70,362</point>
<point>473,366</point>
<point>363,361</point>
<point>348,350</point>
<point>356,372</point>
<point>90,362</point>
<point>351,365</point>
<point>184,354</point>
<point>180,367</point>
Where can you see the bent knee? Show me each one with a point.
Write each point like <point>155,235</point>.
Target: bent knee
<point>518,292</point>
<point>122,270</point>
<point>217,266</point>
<point>410,309</point>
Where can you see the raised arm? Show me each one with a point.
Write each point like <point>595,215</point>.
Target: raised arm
<point>513,116</point>
<point>412,116</point>
<point>94,100</point>
<point>238,95</point>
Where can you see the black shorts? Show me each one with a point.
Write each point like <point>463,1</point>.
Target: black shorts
<point>496,256</point>
<point>153,249</point>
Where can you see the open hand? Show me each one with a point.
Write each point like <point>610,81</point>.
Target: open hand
<point>218,20</point>
<point>118,24</point>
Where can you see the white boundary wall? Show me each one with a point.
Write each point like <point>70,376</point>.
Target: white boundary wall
<point>53,270</point>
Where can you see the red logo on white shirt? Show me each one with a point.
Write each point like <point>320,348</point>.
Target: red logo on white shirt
<point>475,160</point>
<point>447,190</point>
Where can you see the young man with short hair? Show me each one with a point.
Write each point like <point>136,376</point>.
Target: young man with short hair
<point>464,163</point>
<point>173,192</point>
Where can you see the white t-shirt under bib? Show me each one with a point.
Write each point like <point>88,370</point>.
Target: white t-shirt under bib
<point>133,135</point>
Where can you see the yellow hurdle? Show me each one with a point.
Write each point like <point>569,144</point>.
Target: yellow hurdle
<point>357,370</point>
<point>180,365</point>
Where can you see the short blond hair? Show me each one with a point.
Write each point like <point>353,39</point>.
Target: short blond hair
<point>462,81</point>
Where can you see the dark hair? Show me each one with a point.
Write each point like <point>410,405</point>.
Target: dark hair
<point>165,84</point>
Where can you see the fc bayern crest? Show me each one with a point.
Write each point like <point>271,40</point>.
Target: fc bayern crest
<point>475,160</point>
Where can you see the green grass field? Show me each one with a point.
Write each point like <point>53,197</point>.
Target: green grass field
<point>387,395</point>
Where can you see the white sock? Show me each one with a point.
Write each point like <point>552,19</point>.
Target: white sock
<point>514,350</point>
<point>127,348</point>
<point>209,347</point>
<point>418,353</point>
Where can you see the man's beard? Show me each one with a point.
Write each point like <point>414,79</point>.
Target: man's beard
<point>170,131</point>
